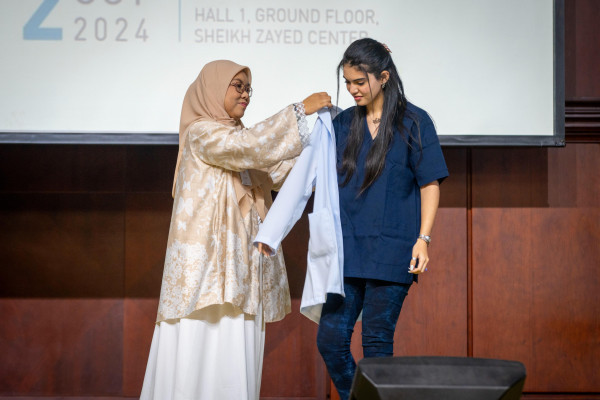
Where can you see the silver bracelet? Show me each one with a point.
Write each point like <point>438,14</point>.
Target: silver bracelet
<point>425,238</point>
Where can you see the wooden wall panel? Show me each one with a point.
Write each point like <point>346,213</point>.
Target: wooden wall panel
<point>150,169</point>
<point>147,220</point>
<point>61,168</point>
<point>454,190</point>
<point>292,366</point>
<point>138,328</point>
<point>535,280</point>
<point>573,176</point>
<point>536,296</point>
<point>295,251</point>
<point>61,347</point>
<point>582,41</point>
<point>435,318</point>
<point>582,63</point>
<point>510,177</point>
<point>61,245</point>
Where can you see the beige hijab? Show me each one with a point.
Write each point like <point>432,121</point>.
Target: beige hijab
<point>205,101</point>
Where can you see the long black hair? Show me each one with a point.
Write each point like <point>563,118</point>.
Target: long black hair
<point>372,57</point>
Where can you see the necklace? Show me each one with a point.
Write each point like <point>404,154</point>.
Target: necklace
<point>376,120</point>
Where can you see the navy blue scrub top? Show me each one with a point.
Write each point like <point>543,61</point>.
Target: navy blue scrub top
<point>380,227</point>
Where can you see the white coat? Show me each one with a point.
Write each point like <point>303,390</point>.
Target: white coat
<point>315,169</point>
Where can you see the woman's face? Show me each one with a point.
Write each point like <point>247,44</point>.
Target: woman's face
<point>364,87</point>
<point>235,102</point>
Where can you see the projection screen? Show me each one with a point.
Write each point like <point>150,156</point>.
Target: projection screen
<point>490,72</point>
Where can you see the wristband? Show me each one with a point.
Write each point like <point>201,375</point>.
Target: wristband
<point>425,238</point>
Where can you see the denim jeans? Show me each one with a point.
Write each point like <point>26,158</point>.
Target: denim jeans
<point>380,302</point>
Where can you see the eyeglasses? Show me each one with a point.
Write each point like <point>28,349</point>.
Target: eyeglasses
<point>241,88</point>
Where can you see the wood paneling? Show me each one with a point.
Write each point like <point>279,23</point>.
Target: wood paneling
<point>59,347</point>
<point>454,190</point>
<point>582,121</point>
<point>573,178</point>
<point>535,263</point>
<point>61,245</point>
<point>60,168</point>
<point>582,41</point>
<point>582,63</point>
<point>295,250</point>
<point>292,366</point>
<point>536,296</point>
<point>138,328</point>
<point>510,177</point>
<point>434,321</point>
<point>147,219</point>
<point>150,168</point>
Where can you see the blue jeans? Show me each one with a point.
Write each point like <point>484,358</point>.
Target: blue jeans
<point>380,302</point>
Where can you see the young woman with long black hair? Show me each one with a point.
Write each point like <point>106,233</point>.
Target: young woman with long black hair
<point>390,165</point>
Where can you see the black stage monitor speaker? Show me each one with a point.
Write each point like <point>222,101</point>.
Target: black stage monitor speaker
<point>440,378</point>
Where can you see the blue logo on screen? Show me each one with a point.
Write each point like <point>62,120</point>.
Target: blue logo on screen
<point>32,29</point>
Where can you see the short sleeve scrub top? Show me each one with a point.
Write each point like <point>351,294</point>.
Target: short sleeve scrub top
<point>381,225</point>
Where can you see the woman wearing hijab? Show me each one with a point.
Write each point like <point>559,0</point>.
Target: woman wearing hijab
<point>209,336</point>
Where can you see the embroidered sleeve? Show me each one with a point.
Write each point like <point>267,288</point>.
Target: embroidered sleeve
<point>279,173</point>
<point>260,146</point>
<point>302,124</point>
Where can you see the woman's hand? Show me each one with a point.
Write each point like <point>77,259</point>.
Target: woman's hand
<point>316,101</point>
<point>265,249</point>
<point>420,258</point>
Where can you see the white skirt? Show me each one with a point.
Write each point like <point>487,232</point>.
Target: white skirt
<point>215,353</point>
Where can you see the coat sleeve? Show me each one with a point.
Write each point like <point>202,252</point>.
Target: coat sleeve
<point>292,199</point>
<point>260,146</point>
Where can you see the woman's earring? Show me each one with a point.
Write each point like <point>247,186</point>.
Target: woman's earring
<point>383,85</point>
